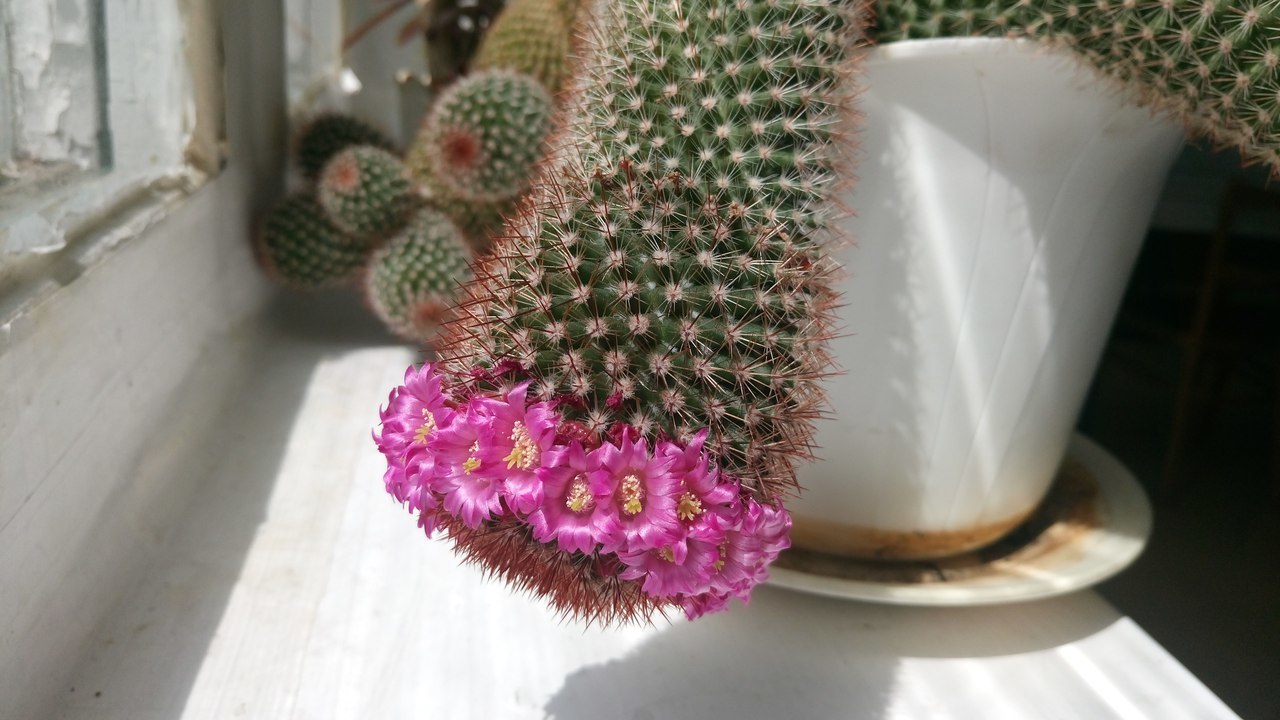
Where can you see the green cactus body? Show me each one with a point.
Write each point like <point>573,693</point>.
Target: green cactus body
<point>327,135</point>
<point>483,138</point>
<point>670,272</point>
<point>301,248</point>
<point>412,280</point>
<point>480,221</point>
<point>367,192</point>
<point>530,37</point>
<point>1214,64</point>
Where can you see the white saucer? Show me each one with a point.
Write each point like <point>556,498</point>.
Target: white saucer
<point>1094,523</point>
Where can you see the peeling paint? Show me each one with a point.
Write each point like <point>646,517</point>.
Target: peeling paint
<point>55,110</point>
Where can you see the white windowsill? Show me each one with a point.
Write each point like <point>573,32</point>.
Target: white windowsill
<point>290,585</point>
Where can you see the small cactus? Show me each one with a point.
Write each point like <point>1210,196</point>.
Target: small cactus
<point>412,280</point>
<point>530,37</point>
<point>1214,64</point>
<point>481,142</point>
<point>367,192</point>
<point>328,134</point>
<point>301,248</point>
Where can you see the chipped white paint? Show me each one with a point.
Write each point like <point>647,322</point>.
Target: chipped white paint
<point>56,112</point>
<point>150,114</point>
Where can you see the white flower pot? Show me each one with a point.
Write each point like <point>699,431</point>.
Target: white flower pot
<point>1005,191</point>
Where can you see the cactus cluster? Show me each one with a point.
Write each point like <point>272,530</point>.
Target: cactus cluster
<point>365,216</point>
<point>668,278</point>
<point>1215,64</point>
<point>479,145</point>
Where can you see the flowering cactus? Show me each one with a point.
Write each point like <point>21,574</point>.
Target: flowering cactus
<point>615,418</point>
<point>411,281</point>
<point>1214,64</point>
<point>300,247</point>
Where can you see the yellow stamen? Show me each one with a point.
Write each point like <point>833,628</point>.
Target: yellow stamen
<point>689,507</point>
<point>579,499</point>
<point>524,454</point>
<point>632,495</point>
<point>665,554</point>
<point>721,553</point>
<point>428,426</point>
<point>471,463</point>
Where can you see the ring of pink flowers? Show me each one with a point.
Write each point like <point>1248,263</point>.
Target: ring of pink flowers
<point>686,531</point>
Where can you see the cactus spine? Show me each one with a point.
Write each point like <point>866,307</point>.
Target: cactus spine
<point>412,280</point>
<point>302,249</point>
<point>670,273</point>
<point>1215,64</point>
<point>367,192</point>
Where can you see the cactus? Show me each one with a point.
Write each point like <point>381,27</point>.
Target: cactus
<point>328,134</point>
<point>412,280</point>
<point>666,286</point>
<point>481,141</point>
<point>301,248</point>
<point>367,192</point>
<point>1213,64</point>
<point>530,37</point>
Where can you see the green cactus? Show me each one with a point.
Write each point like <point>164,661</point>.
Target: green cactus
<point>328,134</point>
<point>367,192</point>
<point>412,280</point>
<point>530,37</point>
<point>1215,64</point>
<point>670,271</point>
<point>301,248</point>
<point>482,139</point>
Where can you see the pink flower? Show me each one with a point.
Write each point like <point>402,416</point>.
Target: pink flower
<point>520,436</point>
<point>469,494</point>
<point>703,494</point>
<point>414,412</point>
<point>749,548</point>
<point>696,606</point>
<point>682,568</point>
<point>772,526</point>
<point>641,500</point>
<point>575,490</point>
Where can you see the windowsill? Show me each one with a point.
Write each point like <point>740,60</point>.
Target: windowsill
<point>289,585</point>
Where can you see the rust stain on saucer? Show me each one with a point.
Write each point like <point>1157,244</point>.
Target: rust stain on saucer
<point>1068,513</point>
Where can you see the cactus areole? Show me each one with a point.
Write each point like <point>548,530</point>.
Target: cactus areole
<point>615,416</point>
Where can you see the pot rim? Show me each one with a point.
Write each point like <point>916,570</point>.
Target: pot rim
<point>954,47</point>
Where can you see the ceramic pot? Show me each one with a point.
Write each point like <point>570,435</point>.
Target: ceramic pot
<point>1004,193</point>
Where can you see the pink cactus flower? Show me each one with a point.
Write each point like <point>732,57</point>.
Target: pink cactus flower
<point>414,412</point>
<point>470,494</point>
<point>695,606</point>
<point>576,494</point>
<point>683,568</point>
<point>703,490</point>
<point>520,437</point>
<point>642,499</point>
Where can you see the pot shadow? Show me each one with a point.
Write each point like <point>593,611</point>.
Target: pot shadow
<point>791,655</point>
